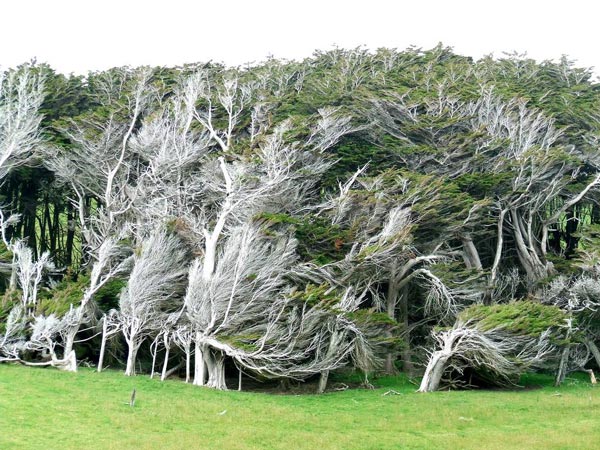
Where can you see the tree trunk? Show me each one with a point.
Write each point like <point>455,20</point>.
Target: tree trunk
<point>323,382</point>
<point>470,253</point>
<point>13,275</point>
<point>407,365</point>
<point>535,268</point>
<point>102,345</point>
<point>163,376</point>
<point>187,365</point>
<point>591,345</point>
<point>210,252</point>
<point>70,235</point>
<point>199,366</point>
<point>154,351</point>
<point>435,370</point>
<point>131,357</point>
<point>70,340</point>
<point>564,357</point>
<point>215,363</point>
<point>562,366</point>
<point>68,363</point>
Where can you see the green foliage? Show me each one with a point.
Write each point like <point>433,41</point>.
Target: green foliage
<point>588,252</point>
<point>5,254</point>
<point>107,296</point>
<point>60,299</point>
<point>434,162</point>
<point>70,292</point>
<point>482,185</point>
<point>527,318</point>
<point>244,342</point>
<point>318,240</point>
<point>317,296</point>
<point>354,152</point>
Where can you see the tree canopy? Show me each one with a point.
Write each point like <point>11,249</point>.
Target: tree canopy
<point>296,217</point>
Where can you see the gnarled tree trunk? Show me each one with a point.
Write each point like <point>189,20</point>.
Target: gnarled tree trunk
<point>435,370</point>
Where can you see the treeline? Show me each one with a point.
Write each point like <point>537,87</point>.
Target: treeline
<point>288,219</point>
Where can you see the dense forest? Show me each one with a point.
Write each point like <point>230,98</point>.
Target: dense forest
<point>373,211</point>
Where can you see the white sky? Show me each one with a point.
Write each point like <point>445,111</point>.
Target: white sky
<point>81,35</point>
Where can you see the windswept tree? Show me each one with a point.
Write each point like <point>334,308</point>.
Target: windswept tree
<point>21,95</point>
<point>157,278</point>
<point>494,345</point>
<point>511,156</point>
<point>295,217</point>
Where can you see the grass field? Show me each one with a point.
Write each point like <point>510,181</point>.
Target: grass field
<point>47,409</point>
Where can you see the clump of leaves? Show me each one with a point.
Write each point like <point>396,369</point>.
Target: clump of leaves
<point>524,317</point>
<point>59,300</point>
<point>317,296</point>
<point>70,292</point>
<point>318,240</point>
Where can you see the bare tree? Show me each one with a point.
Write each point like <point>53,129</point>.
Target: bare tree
<point>21,95</point>
<point>100,164</point>
<point>13,342</point>
<point>44,333</point>
<point>111,325</point>
<point>112,260</point>
<point>183,336</point>
<point>30,273</point>
<point>246,311</point>
<point>158,276</point>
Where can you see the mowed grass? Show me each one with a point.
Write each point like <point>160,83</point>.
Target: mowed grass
<point>47,409</point>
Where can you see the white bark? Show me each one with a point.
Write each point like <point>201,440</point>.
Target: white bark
<point>167,345</point>
<point>102,346</point>
<point>323,382</point>
<point>132,350</point>
<point>434,371</point>
<point>21,96</point>
<point>110,327</point>
<point>154,280</point>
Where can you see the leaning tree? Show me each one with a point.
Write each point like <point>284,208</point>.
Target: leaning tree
<point>494,344</point>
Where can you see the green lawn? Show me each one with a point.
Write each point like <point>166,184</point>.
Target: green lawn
<point>47,409</point>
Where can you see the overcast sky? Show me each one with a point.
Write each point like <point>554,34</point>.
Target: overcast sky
<point>82,35</point>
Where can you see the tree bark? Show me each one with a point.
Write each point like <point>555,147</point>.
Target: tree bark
<point>163,376</point>
<point>70,341</point>
<point>407,364</point>
<point>199,366</point>
<point>102,345</point>
<point>471,255</point>
<point>435,370</point>
<point>535,268</point>
<point>323,382</point>
<point>131,357</point>
<point>594,349</point>
<point>68,363</point>
<point>215,363</point>
<point>187,365</point>
<point>562,366</point>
